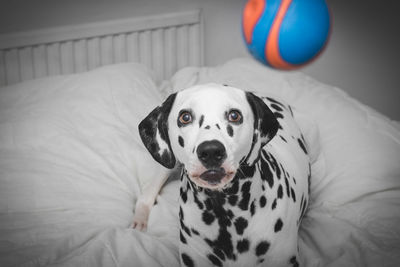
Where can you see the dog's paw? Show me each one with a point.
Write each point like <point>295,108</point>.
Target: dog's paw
<point>141,217</point>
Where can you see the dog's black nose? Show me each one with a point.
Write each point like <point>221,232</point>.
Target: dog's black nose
<point>211,153</point>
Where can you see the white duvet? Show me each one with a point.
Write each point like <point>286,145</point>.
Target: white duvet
<point>71,162</point>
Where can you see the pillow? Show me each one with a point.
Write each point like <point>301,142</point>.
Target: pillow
<point>70,163</point>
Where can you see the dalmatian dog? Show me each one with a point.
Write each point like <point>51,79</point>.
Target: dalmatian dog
<point>245,175</point>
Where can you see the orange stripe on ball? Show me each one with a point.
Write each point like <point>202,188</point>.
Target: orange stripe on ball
<point>272,47</point>
<point>251,14</point>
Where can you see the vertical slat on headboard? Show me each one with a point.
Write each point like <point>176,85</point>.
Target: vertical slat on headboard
<point>158,47</point>
<point>195,45</point>
<point>26,63</point>
<point>132,43</point>
<point>66,52</point>
<point>93,47</point>
<point>12,66</point>
<point>39,61</point>
<point>53,59</point>
<point>164,43</point>
<point>182,46</point>
<point>170,51</point>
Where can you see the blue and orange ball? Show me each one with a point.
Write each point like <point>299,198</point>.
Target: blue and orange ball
<point>286,34</point>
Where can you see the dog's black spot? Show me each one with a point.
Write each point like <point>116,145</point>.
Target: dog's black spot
<point>242,245</point>
<point>261,260</point>
<point>198,202</point>
<point>245,170</point>
<point>262,248</point>
<point>187,260</point>
<point>287,187</point>
<point>217,125</point>
<point>265,172</point>
<point>246,187</point>
<point>240,225</point>
<point>276,107</point>
<point>207,127</point>
<point>274,204</point>
<point>182,238</point>
<point>195,232</point>
<point>302,146</point>
<point>274,101</point>
<point>215,261</point>
<point>219,253</point>
<point>230,214</point>
<point>233,189</point>
<point>225,84</point>
<point>233,199</point>
<point>253,208</point>
<point>278,115</point>
<point>183,195</point>
<point>275,165</point>
<point>293,194</point>
<point>185,228</point>
<point>278,225</point>
<point>229,129</point>
<point>181,142</point>
<point>209,204</point>
<point>209,242</point>
<point>181,215</point>
<point>224,242</point>
<point>294,262</point>
<point>280,191</point>
<point>244,202</point>
<point>201,120</point>
<point>208,218</point>
<point>263,201</point>
<point>283,138</point>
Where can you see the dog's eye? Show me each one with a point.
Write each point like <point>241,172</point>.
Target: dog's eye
<point>234,116</point>
<point>185,117</point>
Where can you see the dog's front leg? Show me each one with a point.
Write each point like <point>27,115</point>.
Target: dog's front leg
<point>146,200</point>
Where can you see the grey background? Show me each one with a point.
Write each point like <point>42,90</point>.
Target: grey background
<point>362,56</point>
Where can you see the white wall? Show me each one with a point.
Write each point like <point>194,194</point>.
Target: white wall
<point>362,56</point>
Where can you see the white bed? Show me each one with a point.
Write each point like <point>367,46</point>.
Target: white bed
<point>70,164</point>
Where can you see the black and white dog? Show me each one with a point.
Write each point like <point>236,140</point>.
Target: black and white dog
<point>245,175</point>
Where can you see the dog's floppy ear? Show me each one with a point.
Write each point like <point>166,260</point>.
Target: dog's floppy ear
<point>265,126</point>
<point>153,131</point>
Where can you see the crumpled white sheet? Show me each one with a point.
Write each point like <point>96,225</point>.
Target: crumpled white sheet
<point>71,162</point>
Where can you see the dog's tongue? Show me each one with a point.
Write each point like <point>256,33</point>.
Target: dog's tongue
<point>213,177</point>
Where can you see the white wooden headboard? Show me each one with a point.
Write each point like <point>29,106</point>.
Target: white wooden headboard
<point>164,43</point>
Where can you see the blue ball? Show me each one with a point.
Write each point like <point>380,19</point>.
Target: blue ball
<point>286,34</point>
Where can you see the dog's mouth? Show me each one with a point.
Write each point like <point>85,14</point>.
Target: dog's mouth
<point>213,176</point>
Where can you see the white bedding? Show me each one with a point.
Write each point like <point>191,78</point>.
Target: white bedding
<point>71,162</point>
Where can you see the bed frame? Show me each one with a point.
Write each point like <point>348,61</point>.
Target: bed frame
<point>164,43</point>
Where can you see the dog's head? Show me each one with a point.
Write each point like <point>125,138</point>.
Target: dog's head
<point>211,129</point>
